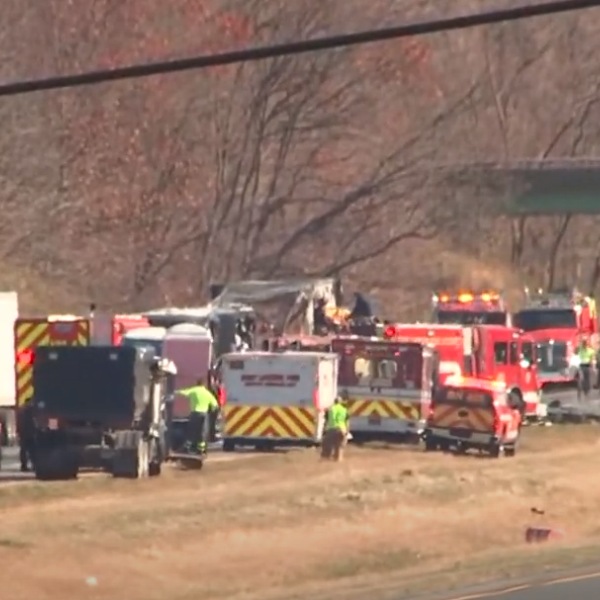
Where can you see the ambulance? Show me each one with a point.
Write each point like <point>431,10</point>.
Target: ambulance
<point>276,399</point>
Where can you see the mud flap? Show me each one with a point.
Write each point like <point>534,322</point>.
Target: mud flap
<point>131,458</point>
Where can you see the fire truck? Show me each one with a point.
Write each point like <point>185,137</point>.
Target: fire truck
<point>388,386</point>
<point>490,352</point>
<point>557,322</point>
<point>61,330</point>
<point>469,308</point>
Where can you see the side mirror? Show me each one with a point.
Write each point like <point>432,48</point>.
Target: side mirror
<point>525,364</point>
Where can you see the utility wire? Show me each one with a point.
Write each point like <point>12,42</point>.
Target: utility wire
<point>314,45</point>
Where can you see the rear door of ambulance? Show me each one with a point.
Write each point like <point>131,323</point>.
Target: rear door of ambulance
<point>31,333</point>
<point>270,396</point>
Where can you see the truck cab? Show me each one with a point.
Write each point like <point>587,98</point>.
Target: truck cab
<point>470,308</point>
<point>556,322</point>
<point>483,351</point>
<point>470,413</point>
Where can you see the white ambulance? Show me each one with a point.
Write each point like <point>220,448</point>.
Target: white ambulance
<point>276,399</point>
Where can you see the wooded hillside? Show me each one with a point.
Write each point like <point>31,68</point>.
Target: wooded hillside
<point>139,193</point>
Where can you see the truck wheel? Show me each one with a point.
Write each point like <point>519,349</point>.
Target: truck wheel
<point>57,465</point>
<point>510,451</point>
<point>155,458</point>
<point>430,444</point>
<point>495,451</point>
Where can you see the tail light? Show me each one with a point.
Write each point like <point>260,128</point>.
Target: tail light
<point>316,399</point>
<point>25,357</point>
<point>222,396</point>
<point>389,332</point>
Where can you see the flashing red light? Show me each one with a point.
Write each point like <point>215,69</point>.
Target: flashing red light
<point>25,357</point>
<point>390,332</point>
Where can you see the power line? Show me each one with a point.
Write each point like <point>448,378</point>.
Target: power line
<point>292,48</point>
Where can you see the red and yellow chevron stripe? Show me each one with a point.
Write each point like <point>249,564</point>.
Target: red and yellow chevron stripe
<point>31,333</point>
<point>385,409</point>
<point>273,422</point>
<point>474,418</point>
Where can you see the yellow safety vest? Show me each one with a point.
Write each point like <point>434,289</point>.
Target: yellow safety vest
<point>337,417</point>
<point>586,355</point>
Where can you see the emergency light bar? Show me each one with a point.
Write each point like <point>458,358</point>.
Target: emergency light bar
<point>485,299</point>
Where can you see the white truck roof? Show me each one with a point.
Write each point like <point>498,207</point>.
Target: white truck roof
<point>189,329</point>
<point>287,353</point>
<point>146,333</point>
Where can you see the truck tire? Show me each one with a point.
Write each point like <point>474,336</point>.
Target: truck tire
<point>228,446</point>
<point>59,464</point>
<point>431,444</point>
<point>155,458</point>
<point>495,450</point>
<point>133,460</point>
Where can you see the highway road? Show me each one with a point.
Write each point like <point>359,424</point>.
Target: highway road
<point>584,586</point>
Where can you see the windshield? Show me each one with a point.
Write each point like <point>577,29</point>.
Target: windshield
<point>534,320</point>
<point>155,345</point>
<point>468,317</point>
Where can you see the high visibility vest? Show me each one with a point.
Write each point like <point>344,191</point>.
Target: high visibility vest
<point>337,417</point>
<point>586,355</point>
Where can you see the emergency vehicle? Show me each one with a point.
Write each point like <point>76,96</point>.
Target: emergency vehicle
<point>310,343</point>
<point>557,322</point>
<point>483,351</point>
<point>469,308</point>
<point>388,386</point>
<point>470,413</point>
<point>276,399</point>
<point>110,329</point>
<point>53,330</point>
<point>62,330</point>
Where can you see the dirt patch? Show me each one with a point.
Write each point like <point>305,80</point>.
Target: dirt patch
<point>289,526</point>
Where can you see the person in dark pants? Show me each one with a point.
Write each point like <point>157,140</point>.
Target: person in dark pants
<point>26,433</point>
<point>213,415</point>
<point>202,402</point>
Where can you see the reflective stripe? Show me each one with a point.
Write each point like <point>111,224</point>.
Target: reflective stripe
<point>31,333</point>
<point>385,409</point>
<point>473,418</point>
<point>269,422</point>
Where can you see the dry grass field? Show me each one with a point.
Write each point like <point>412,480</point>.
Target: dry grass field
<point>288,526</point>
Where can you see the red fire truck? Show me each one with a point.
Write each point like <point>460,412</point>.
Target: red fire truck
<point>470,308</point>
<point>557,322</point>
<point>490,352</point>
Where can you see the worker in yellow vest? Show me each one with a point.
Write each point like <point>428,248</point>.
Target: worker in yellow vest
<point>202,403</point>
<point>336,431</point>
<point>587,358</point>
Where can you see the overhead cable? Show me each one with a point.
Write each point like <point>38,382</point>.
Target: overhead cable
<point>300,47</point>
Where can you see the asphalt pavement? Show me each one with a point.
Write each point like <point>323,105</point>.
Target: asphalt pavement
<point>584,586</point>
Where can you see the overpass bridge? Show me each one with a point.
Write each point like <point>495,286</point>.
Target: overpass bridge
<point>548,187</point>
